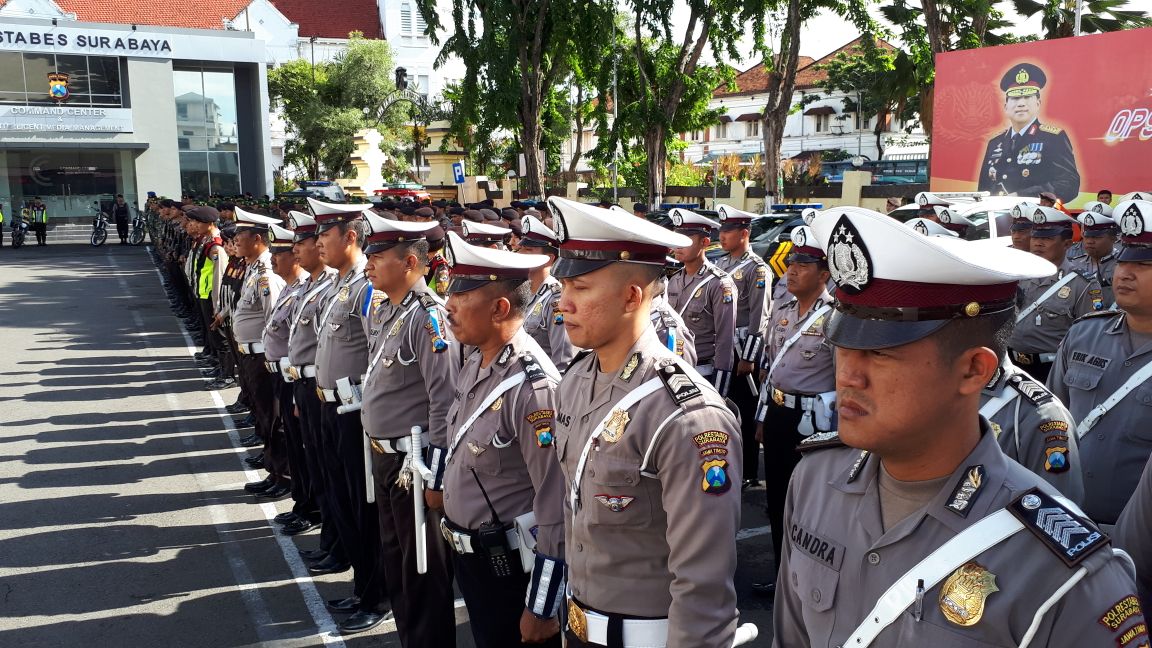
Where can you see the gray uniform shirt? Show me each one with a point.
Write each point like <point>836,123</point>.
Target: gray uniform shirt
<point>1034,428</point>
<point>653,533</point>
<point>510,445</point>
<point>674,334</point>
<point>412,375</point>
<point>1132,532</point>
<point>706,300</point>
<point>301,330</point>
<point>261,289</point>
<point>1042,330</point>
<point>1101,271</point>
<point>808,366</point>
<point>545,323</point>
<point>276,330</point>
<point>1095,359</point>
<point>838,561</point>
<point>750,274</point>
<point>342,328</point>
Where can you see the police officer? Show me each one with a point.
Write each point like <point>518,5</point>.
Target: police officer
<point>650,452</point>
<point>798,397</point>
<point>486,234</point>
<point>1102,372</point>
<point>276,338</point>
<point>260,291</point>
<point>121,215</point>
<point>1021,228</point>
<point>342,325</point>
<point>705,297</point>
<point>926,204</point>
<point>949,542</point>
<point>1132,532</point>
<point>1099,258</point>
<point>544,321</point>
<point>673,333</point>
<point>409,383</point>
<point>1049,305</point>
<point>301,372</point>
<point>38,214</point>
<point>750,275</point>
<point>503,489</point>
<point>1028,157</point>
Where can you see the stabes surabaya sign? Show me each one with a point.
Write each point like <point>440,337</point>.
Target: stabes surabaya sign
<point>193,45</point>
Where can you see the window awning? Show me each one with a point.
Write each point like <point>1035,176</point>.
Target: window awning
<point>821,110</point>
<point>724,119</point>
<point>750,117</point>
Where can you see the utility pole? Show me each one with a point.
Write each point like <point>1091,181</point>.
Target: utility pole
<point>1079,12</point>
<point>615,116</point>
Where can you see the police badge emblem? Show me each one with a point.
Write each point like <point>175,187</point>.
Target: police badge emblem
<point>615,425</point>
<point>1088,220</point>
<point>848,258</point>
<point>1038,216</point>
<point>1064,292</point>
<point>799,239</point>
<point>921,227</point>
<point>58,86</point>
<point>1132,222</point>
<point>963,594</point>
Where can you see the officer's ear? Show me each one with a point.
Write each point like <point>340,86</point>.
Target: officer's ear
<point>977,365</point>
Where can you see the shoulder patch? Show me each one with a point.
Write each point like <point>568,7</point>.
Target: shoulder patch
<point>533,372</point>
<point>679,384</point>
<point>1051,129</point>
<point>1031,390</point>
<point>428,301</point>
<point>1068,535</point>
<point>819,441</point>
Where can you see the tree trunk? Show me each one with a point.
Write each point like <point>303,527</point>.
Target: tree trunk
<point>781,84</point>
<point>656,146</point>
<point>578,150</point>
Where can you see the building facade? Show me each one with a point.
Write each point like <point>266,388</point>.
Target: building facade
<point>91,110</point>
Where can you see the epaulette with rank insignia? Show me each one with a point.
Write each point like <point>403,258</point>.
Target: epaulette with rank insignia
<point>1103,313</point>
<point>1055,130</point>
<point>580,355</point>
<point>679,384</point>
<point>1033,391</point>
<point>819,441</point>
<point>533,372</point>
<point>717,271</point>
<point>1066,533</point>
<point>428,301</point>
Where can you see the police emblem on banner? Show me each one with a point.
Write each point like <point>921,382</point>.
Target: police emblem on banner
<point>848,258</point>
<point>58,86</point>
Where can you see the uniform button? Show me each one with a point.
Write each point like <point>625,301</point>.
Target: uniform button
<point>471,394</point>
<point>1088,474</point>
<point>591,472</point>
<point>795,581</point>
<point>1127,363</point>
<point>579,547</point>
<point>815,596</point>
<point>628,480</point>
<point>1100,436</point>
<point>874,558</point>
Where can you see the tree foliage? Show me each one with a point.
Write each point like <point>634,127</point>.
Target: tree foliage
<point>326,104</point>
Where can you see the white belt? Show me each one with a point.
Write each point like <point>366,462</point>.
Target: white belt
<point>461,542</point>
<point>327,395</point>
<point>251,348</point>
<point>399,445</point>
<point>638,633</point>
<point>292,373</point>
<point>705,369</point>
<point>793,401</point>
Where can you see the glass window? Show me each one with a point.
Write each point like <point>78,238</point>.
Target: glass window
<point>208,131</point>
<point>104,75</point>
<point>11,73</point>
<point>36,70</point>
<point>224,169</point>
<point>194,173</point>
<point>76,67</point>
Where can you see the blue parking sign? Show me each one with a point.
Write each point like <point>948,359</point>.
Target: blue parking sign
<point>458,172</point>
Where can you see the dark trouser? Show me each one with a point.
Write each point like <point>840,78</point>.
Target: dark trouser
<point>294,444</point>
<point>310,432</point>
<point>213,343</point>
<point>780,459</point>
<point>356,519</point>
<point>122,229</point>
<point>422,603</point>
<point>495,605</point>
<point>41,230</point>
<point>228,355</point>
<point>262,391</point>
<point>746,400</point>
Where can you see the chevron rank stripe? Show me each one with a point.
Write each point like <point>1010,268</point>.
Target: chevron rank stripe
<point>679,384</point>
<point>1066,533</point>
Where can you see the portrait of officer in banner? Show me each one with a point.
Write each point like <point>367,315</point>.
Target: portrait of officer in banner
<point>1028,157</point>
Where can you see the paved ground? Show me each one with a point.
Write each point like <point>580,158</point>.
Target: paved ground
<point>122,520</point>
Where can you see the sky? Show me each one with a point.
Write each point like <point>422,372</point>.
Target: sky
<point>828,32</point>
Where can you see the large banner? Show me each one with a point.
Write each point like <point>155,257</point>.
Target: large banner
<point>1068,116</point>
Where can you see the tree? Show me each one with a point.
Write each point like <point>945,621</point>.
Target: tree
<point>668,69</point>
<point>516,53</point>
<point>1058,17</point>
<point>878,82</point>
<point>326,104</point>
<point>780,62</point>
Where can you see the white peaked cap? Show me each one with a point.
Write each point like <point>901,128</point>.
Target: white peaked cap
<point>474,266</point>
<point>686,219</point>
<point>592,237</point>
<point>929,228</point>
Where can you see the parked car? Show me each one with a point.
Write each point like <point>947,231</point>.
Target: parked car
<point>325,190</point>
<point>992,214</point>
<point>403,191</point>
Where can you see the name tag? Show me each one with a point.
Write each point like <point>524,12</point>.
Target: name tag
<point>1090,360</point>
<point>817,547</point>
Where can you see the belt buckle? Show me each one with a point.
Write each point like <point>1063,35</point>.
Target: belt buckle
<point>320,394</point>
<point>778,397</point>
<point>577,622</point>
<point>1024,358</point>
<point>293,373</point>
<point>376,446</point>
<point>444,531</point>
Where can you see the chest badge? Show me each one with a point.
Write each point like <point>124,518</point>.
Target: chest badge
<point>615,503</point>
<point>344,293</point>
<point>964,592</point>
<point>476,449</point>
<point>1064,292</point>
<point>615,425</point>
<point>738,275</point>
<point>497,404</point>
